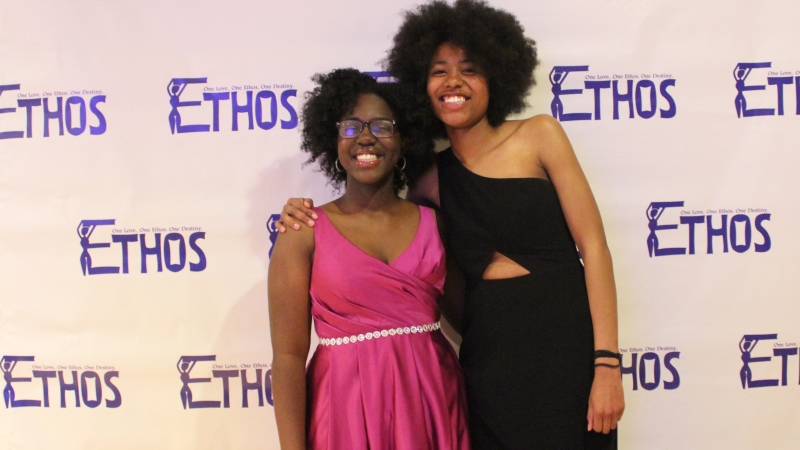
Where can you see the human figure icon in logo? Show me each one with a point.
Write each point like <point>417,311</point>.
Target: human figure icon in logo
<point>184,367</point>
<point>556,78</point>
<point>273,231</point>
<point>746,346</point>
<point>653,213</point>
<point>8,392</point>
<point>175,89</point>
<point>740,73</point>
<point>84,232</point>
<point>7,364</point>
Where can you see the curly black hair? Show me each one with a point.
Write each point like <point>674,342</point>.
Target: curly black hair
<point>494,40</point>
<point>336,95</point>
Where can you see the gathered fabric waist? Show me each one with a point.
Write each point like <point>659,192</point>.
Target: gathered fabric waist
<point>427,328</point>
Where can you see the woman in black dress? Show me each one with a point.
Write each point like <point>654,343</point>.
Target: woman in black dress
<point>539,329</point>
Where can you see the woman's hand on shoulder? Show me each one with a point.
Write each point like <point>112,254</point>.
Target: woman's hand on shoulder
<point>296,212</point>
<point>302,241</point>
<point>290,263</point>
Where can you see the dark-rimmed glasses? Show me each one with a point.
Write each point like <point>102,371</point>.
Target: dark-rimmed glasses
<point>351,128</point>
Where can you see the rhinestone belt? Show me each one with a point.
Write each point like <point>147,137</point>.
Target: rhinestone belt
<point>379,334</point>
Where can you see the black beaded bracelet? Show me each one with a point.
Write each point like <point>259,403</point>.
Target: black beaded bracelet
<point>607,354</point>
<point>612,366</point>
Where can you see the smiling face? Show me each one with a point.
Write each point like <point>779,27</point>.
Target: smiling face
<point>365,158</point>
<point>458,91</point>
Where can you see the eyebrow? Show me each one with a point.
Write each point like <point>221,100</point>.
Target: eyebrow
<point>463,61</point>
<point>376,118</point>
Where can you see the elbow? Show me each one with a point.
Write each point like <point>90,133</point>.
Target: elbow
<point>297,352</point>
<point>288,361</point>
<point>595,251</point>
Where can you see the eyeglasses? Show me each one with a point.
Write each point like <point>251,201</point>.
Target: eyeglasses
<point>380,128</point>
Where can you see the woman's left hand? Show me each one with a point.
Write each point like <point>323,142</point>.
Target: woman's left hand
<point>606,401</point>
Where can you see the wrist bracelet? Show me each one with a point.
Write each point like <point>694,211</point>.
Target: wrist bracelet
<point>611,366</point>
<point>607,354</point>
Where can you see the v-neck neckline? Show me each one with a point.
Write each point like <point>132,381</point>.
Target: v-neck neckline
<point>390,263</point>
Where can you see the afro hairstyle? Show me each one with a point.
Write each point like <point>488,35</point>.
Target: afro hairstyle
<point>336,95</point>
<point>493,39</point>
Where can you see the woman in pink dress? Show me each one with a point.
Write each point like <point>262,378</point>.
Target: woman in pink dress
<point>370,274</point>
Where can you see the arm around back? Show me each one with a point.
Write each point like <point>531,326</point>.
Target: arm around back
<point>452,302</point>
<point>425,190</point>
<point>296,213</point>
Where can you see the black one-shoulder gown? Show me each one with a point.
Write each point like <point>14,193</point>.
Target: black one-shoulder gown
<point>527,349</point>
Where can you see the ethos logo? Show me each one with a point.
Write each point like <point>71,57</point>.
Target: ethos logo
<point>252,377</point>
<point>646,365</point>
<point>86,382</point>
<point>645,93</point>
<point>777,78</point>
<point>258,104</point>
<point>779,349</point>
<point>273,231</point>
<point>166,246</point>
<point>722,228</point>
<point>381,76</point>
<point>63,109</point>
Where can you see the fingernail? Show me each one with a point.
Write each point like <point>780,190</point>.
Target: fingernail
<point>314,216</point>
<point>311,223</point>
<point>296,226</point>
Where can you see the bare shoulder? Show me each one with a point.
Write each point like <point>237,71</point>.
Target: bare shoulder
<point>537,133</point>
<point>544,135</point>
<point>530,143</point>
<point>541,126</point>
<point>301,242</point>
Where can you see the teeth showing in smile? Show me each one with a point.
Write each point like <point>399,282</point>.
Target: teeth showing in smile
<point>454,99</point>
<point>366,157</point>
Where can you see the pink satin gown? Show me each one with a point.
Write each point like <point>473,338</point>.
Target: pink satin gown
<point>383,377</point>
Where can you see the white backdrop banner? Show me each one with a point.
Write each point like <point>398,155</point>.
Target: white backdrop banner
<point>146,146</point>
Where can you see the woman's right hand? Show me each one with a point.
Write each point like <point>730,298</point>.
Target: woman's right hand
<point>295,212</point>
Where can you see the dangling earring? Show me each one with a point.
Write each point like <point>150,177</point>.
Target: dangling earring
<point>338,166</point>
<point>402,174</point>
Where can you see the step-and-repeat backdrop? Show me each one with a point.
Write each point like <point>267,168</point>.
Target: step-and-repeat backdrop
<point>145,148</point>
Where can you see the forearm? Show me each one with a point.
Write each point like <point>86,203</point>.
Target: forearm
<point>602,293</point>
<point>289,397</point>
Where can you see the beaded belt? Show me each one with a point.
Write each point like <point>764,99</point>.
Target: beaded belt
<point>379,334</point>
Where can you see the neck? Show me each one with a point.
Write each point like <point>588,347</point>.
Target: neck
<point>367,197</point>
<point>468,142</point>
